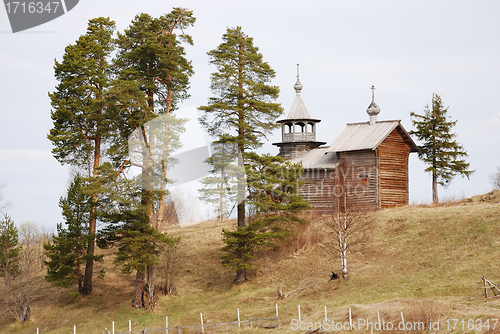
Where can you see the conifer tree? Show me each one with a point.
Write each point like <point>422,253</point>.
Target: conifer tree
<point>138,244</point>
<point>439,148</point>
<point>152,78</point>
<point>9,249</point>
<point>275,199</point>
<point>68,250</point>
<point>241,112</point>
<point>81,126</point>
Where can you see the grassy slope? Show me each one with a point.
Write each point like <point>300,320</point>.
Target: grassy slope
<point>419,260</point>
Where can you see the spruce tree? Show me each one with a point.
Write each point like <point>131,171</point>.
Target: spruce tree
<point>68,250</point>
<point>9,249</point>
<point>81,126</point>
<point>241,112</point>
<point>275,199</point>
<point>439,148</point>
<point>138,244</point>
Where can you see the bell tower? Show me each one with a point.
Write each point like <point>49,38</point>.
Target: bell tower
<point>298,130</point>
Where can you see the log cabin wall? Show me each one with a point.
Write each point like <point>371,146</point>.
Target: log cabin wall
<point>359,170</point>
<point>318,188</point>
<point>362,177</point>
<point>392,160</point>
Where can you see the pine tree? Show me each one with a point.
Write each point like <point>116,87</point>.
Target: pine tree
<point>241,113</point>
<point>152,78</point>
<point>275,199</point>
<point>68,250</point>
<point>9,249</point>
<point>439,148</point>
<point>81,126</point>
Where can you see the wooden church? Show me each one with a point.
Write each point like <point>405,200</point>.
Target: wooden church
<point>370,156</point>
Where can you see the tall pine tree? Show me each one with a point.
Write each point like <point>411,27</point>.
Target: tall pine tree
<point>439,148</point>
<point>152,78</point>
<point>241,112</point>
<point>81,126</point>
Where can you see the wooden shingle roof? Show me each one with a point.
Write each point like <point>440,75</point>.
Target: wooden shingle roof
<point>363,136</point>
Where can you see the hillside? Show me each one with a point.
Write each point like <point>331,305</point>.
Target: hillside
<point>423,261</point>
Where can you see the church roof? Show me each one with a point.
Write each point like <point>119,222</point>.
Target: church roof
<point>298,110</point>
<point>316,158</point>
<point>363,136</point>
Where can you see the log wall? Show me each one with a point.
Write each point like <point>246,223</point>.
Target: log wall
<point>359,170</point>
<point>392,161</point>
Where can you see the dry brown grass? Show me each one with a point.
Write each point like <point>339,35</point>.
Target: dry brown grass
<point>422,261</point>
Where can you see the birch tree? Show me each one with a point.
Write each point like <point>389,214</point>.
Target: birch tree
<point>347,224</point>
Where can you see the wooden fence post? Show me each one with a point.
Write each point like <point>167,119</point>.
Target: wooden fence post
<point>74,329</point>
<point>239,325</point>
<point>278,316</point>
<point>326,314</point>
<point>166,324</point>
<point>202,329</point>
<point>299,313</point>
<point>178,330</point>
<point>130,326</point>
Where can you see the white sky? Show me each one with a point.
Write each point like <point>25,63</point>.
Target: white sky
<point>407,49</point>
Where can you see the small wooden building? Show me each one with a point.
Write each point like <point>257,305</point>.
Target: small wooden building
<point>370,157</point>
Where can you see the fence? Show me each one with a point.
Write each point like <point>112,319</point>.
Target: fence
<point>262,322</point>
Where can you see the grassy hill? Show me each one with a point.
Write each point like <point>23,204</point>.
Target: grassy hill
<point>423,261</point>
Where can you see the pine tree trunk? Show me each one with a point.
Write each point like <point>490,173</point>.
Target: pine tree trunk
<point>89,266</point>
<point>139,290</point>
<point>435,198</point>
<point>241,276</point>
<point>152,287</point>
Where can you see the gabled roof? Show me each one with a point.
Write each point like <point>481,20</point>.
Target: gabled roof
<point>316,158</point>
<point>363,136</point>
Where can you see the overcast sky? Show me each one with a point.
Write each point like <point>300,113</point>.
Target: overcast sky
<point>407,49</point>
